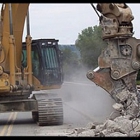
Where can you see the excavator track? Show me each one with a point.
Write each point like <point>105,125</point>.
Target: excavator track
<point>50,112</point>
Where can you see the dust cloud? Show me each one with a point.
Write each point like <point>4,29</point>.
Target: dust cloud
<point>84,101</point>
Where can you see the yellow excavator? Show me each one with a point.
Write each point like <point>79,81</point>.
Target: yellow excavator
<point>35,65</point>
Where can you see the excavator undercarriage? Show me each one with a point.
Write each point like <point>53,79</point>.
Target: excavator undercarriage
<point>46,108</point>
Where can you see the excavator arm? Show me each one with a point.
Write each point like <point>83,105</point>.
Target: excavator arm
<point>12,25</point>
<point>119,62</point>
<point>19,12</point>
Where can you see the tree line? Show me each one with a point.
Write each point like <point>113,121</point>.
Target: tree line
<point>90,45</point>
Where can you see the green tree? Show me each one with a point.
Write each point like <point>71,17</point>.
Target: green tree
<point>90,45</point>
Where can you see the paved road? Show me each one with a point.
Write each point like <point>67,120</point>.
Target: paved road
<point>88,98</point>
<point>83,102</point>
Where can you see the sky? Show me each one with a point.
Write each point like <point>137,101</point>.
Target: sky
<point>65,21</point>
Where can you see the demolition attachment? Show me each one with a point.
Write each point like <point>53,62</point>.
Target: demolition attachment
<point>119,62</point>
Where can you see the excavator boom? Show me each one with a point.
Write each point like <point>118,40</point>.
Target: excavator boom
<point>14,27</point>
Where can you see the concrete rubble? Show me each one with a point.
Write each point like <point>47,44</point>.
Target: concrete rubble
<point>125,124</point>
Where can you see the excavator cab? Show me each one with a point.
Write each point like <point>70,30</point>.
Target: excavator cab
<point>47,71</point>
<point>46,61</point>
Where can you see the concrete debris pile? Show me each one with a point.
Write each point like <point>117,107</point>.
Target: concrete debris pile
<point>125,124</point>
<point>120,126</point>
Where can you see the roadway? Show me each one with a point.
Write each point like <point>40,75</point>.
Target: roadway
<point>83,102</point>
